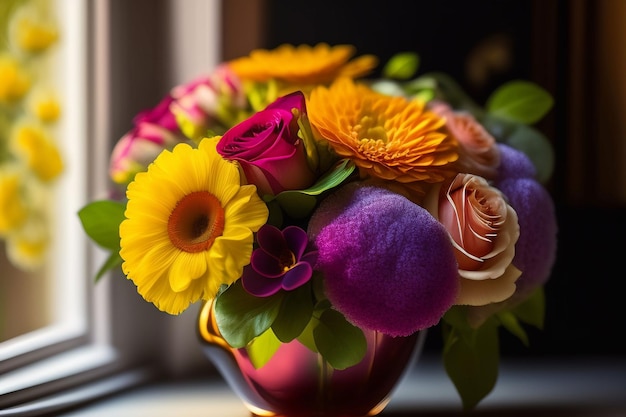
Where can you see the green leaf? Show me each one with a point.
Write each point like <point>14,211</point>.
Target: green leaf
<point>300,203</point>
<point>417,85</point>
<point>532,310</point>
<point>521,101</point>
<point>241,317</point>
<point>536,146</point>
<point>401,66</point>
<point>510,322</point>
<point>388,87</point>
<point>295,313</point>
<point>306,337</point>
<point>101,221</point>
<point>472,363</point>
<point>262,348</point>
<point>113,261</point>
<point>296,204</point>
<point>456,317</point>
<point>340,343</point>
<point>449,90</point>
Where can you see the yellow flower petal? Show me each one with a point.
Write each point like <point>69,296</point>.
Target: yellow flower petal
<point>178,213</point>
<point>302,64</point>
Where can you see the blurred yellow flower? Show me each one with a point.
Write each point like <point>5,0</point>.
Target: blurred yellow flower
<point>29,156</point>
<point>31,28</point>
<point>46,108</point>
<point>13,211</point>
<point>38,151</point>
<point>26,248</point>
<point>14,82</point>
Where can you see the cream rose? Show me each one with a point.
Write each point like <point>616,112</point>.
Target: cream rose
<point>484,230</point>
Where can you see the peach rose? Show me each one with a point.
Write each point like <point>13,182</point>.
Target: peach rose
<point>484,230</point>
<point>478,152</point>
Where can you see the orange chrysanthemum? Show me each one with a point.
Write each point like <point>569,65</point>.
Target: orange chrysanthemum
<point>303,64</point>
<point>390,138</point>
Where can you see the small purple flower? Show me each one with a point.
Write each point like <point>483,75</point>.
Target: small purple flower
<point>279,262</point>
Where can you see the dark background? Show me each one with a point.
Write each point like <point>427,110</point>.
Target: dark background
<point>584,296</point>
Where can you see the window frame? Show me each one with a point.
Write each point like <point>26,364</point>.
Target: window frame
<point>54,367</point>
<point>72,350</point>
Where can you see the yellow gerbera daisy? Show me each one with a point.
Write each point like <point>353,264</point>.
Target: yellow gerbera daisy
<point>189,226</point>
<point>390,138</point>
<point>303,64</point>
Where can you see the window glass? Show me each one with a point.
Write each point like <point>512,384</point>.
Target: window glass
<point>42,173</point>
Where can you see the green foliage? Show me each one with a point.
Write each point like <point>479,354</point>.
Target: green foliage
<point>471,356</point>
<point>295,313</point>
<point>341,344</point>
<point>114,260</point>
<point>262,348</point>
<point>448,89</point>
<point>241,316</point>
<point>520,101</point>
<point>536,146</point>
<point>306,337</point>
<point>261,324</point>
<point>401,66</point>
<point>300,203</point>
<point>532,310</point>
<point>512,324</point>
<point>101,221</point>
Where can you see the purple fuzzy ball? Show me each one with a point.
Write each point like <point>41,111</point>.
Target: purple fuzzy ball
<point>535,250</point>
<point>514,164</point>
<point>389,265</point>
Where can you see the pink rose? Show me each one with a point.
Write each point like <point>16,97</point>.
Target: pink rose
<point>155,129</point>
<point>484,230</point>
<point>478,152</point>
<point>268,148</point>
<point>213,101</point>
<point>208,102</point>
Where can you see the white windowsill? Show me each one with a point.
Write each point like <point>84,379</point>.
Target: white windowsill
<point>553,387</point>
<point>56,367</point>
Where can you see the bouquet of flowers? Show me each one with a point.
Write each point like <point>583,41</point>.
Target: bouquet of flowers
<point>294,192</point>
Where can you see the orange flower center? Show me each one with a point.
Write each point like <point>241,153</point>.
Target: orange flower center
<point>195,222</point>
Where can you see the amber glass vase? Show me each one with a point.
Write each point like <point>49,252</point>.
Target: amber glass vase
<point>296,382</point>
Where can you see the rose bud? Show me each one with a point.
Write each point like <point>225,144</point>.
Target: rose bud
<point>268,148</point>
